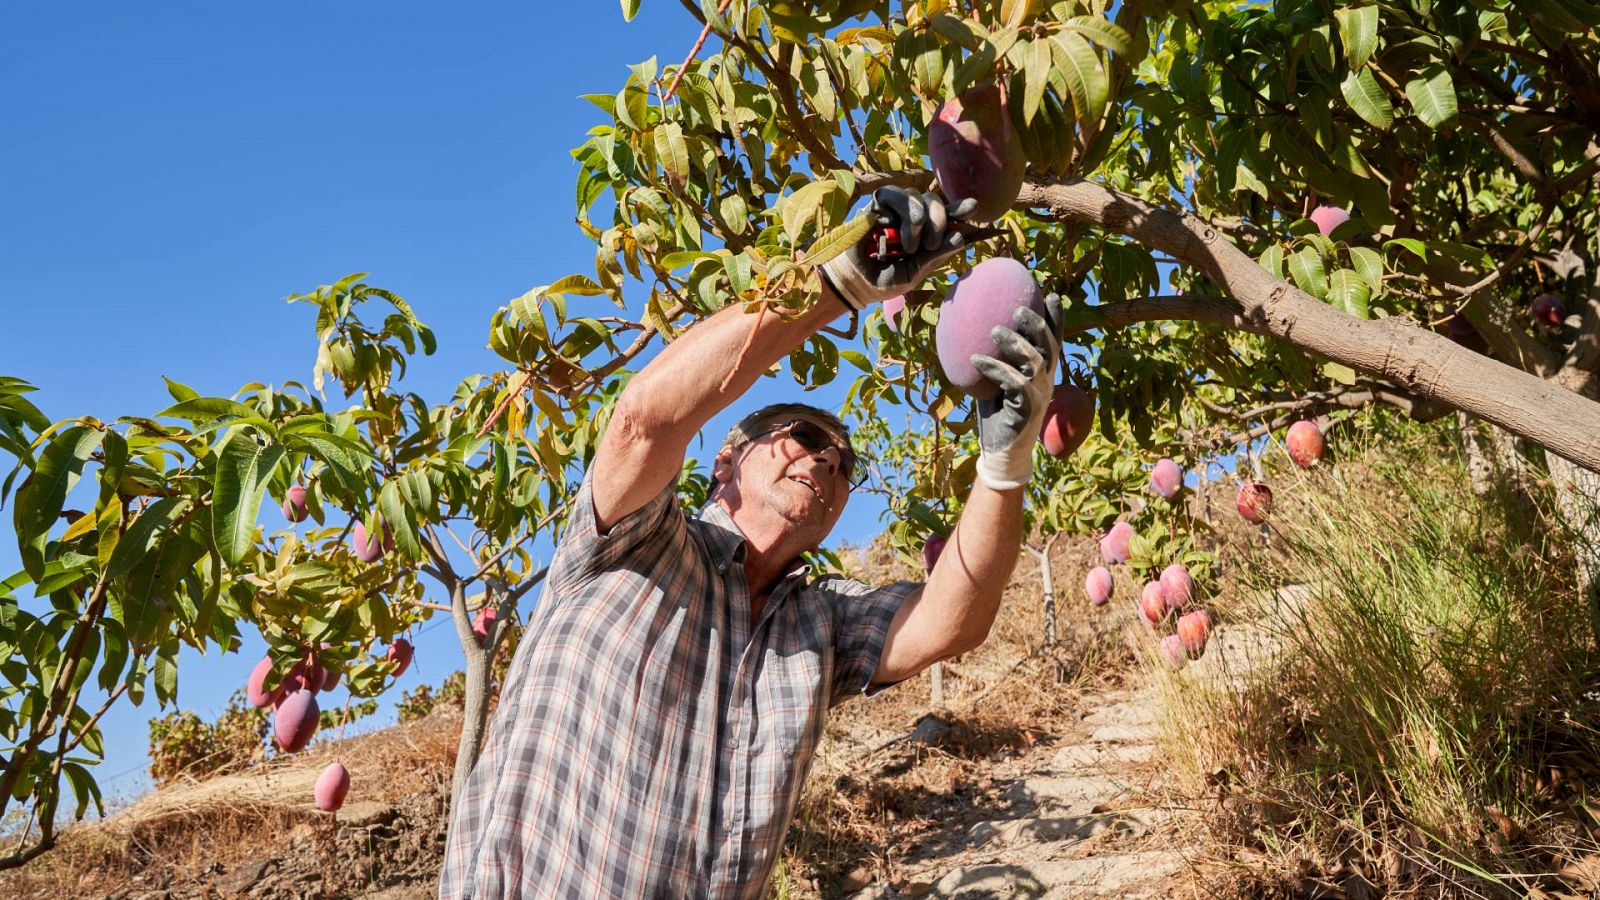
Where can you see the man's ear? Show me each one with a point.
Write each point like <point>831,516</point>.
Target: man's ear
<point>722,467</point>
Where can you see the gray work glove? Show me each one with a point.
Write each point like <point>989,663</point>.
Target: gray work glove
<point>1008,424</point>
<point>870,273</point>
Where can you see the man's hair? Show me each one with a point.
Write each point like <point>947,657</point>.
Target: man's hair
<point>766,417</point>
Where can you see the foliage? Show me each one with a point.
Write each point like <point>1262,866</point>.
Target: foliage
<point>183,745</point>
<point>1422,700</point>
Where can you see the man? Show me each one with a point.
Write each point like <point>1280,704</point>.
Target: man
<point>657,723</point>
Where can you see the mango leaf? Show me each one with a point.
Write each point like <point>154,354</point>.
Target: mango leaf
<point>1368,98</point>
<point>1349,293</point>
<point>672,151</point>
<point>179,391</point>
<point>1107,34</point>
<point>1305,266</point>
<point>40,500</point>
<point>581,285</point>
<point>243,471</point>
<point>1433,96</point>
<point>797,210</point>
<point>1358,30</point>
<point>401,521</point>
<point>204,409</point>
<point>1369,263</point>
<point>1086,80</point>
<point>1339,372</point>
<point>630,8</point>
<point>166,672</point>
<point>1036,77</point>
<point>147,530</point>
<point>838,240</point>
<point>84,788</point>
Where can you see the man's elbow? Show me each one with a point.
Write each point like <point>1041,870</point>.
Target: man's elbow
<point>967,640</point>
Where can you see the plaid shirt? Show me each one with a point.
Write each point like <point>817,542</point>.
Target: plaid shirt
<point>650,741</point>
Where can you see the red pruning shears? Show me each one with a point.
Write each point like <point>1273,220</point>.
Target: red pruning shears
<point>884,243</point>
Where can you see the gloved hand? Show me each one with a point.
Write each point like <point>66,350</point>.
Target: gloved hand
<point>861,275</point>
<point>1008,424</point>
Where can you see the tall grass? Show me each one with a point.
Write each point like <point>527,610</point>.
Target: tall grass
<point>1421,710</point>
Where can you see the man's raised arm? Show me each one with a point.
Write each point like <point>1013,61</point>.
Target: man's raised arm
<point>671,399</point>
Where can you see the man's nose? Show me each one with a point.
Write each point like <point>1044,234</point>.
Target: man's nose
<point>838,458</point>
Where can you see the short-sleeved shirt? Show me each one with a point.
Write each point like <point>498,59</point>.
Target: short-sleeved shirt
<point>650,740</point>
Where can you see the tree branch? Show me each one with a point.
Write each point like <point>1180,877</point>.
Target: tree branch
<point>1423,363</point>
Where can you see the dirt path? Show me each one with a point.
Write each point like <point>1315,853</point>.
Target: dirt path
<point>1088,816</point>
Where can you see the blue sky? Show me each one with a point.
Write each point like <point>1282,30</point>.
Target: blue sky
<point>172,172</point>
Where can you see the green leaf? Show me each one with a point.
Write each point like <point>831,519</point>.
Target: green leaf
<point>838,240</point>
<point>671,150</point>
<point>797,210</point>
<point>1369,263</point>
<point>1305,266</point>
<point>148,530</point>
<point>1349,293</point>
<point>204,409</point>
<point>1272,260</point>
<point>180,392</point>
<point>166,672</point>
<point>1358,30</point>
<point>1368,98</point>
<point>84,789</point>
<point>39,502</point>
<point>243,471</point>
<point>581,285</point>
<point>1412,244</point>
<point>399,520</point>
<point>630,8</point>
<point>1106,34</point>
<point>1433,96</point>
<point>1035,78</point>
<point>1339,372</point>
<point>1086,80</point>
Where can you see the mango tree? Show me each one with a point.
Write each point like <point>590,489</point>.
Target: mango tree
<point>161,543</point>
<point>1257,213</point>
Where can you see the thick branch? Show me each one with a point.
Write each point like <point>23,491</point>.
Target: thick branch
<point>1426,364</point>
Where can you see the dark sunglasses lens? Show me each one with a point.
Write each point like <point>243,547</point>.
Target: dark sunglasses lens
<point>815,440</point>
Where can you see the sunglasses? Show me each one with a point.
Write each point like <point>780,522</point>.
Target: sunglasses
<point>813,439</point>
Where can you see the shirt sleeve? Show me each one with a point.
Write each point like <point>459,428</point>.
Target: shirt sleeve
<point>584,551</point>
<point>861,617</point>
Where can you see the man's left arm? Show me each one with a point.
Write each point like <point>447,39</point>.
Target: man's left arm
<point>956,608</point>
<point>954,611</point>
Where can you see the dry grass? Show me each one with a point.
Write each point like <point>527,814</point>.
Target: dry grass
<point>1417,718</point>
<point>188,831</point>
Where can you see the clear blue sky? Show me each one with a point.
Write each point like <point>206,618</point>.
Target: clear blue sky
<point>172,171</point>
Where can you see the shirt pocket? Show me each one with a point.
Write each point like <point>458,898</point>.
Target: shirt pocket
<point>792,688</point>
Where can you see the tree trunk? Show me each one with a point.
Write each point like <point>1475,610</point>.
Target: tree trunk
<point>474,723</point>
<point>1049,595</point>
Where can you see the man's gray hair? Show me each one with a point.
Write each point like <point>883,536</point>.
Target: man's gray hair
<point>746,429</point>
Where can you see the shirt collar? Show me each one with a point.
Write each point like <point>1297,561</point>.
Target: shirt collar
<point>727,543</point>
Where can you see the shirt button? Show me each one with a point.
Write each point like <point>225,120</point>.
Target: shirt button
<point>727,824</point>
<point>734,743</point>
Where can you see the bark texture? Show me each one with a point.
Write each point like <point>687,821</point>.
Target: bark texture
<point>1425,364</point>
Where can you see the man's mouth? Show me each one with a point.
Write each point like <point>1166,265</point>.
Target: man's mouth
<point>812,485</point>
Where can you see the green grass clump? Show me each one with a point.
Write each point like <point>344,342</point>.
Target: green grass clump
<point>1422,712</point>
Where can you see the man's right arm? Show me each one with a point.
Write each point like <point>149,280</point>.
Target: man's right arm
<point>671,399</point>
<point>718,359</point>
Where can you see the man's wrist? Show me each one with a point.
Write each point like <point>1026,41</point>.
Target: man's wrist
<point>829,288</point>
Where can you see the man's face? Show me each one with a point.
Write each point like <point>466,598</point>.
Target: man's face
<point>777,475</point>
